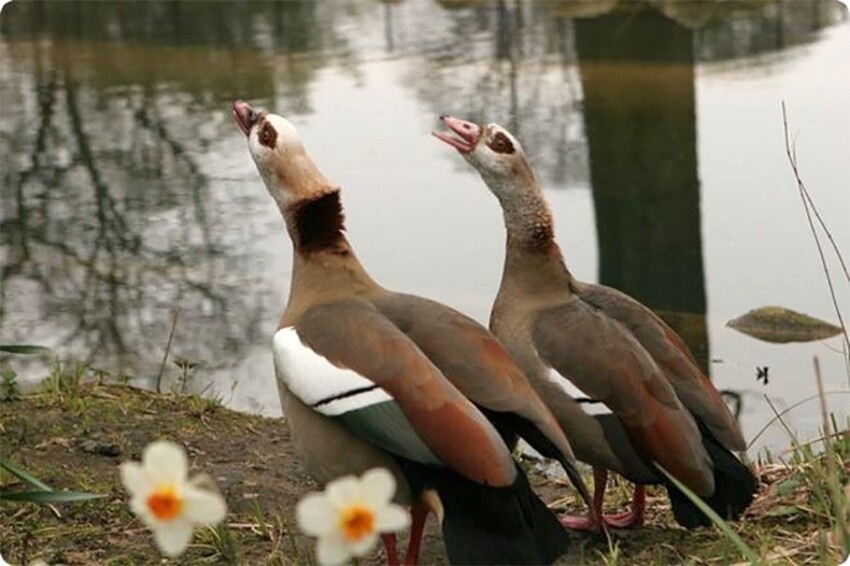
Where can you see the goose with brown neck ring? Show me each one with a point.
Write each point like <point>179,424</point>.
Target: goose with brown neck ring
<point>370,377</point>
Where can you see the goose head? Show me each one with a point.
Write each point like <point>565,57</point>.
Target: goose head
<point>492,150</point>
<point>288,172</point>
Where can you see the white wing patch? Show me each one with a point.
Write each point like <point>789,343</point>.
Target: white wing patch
<point>589,406</point>
<point>329,389</point>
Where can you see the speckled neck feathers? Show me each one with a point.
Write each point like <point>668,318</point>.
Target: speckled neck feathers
<point>528,220</point>
<point>533,260</point>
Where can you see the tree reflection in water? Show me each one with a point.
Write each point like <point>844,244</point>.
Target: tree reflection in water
<point>109,220</point>
<point>112,209</point>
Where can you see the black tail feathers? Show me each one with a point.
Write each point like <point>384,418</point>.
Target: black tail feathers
<point>510,425</point>
<point>487,525</point>
<point>734,487</point>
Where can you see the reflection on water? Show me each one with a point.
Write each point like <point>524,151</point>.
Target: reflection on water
<point>637,73</point>
<point>127,193</point>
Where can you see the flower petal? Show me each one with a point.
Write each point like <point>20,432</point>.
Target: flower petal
<point>173,537</point>
<point>378,487</point>
<point>364,545</point>
<point>203,507</point>
<point>134,479</point>
<point>139,506</point>
<point>315,515</point>
<point>332,549</point>
<point>391,518</point>
<point>165,462</point>
<point>343,491</point>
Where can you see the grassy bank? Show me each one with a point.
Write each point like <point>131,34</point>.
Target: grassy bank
<point>73,435</point>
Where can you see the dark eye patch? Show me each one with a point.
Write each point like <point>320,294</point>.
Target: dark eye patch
<point>501,144</point>
<point>268,135</point>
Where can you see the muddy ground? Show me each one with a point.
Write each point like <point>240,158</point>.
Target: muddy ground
<point>75,438</point>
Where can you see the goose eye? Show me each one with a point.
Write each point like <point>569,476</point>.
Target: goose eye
<point>268,135</point>
<point>501,144</point>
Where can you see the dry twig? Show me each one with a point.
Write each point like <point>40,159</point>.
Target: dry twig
<point>809,207</point>
<point>167,350</point>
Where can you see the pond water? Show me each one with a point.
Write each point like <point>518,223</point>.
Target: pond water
<point>128,194</point>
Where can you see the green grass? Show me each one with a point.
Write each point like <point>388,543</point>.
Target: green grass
<point>796,518</point>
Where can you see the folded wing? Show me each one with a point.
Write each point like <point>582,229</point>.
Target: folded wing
<point>349,362</point>
<point>670,352</point>
<point>602,359</point>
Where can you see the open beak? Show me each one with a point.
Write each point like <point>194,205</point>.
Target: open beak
<point>245,116</point>
<point>461,135</point>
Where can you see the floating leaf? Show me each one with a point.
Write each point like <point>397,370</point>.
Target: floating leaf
<point>780,325</point>
<point>25,349</point>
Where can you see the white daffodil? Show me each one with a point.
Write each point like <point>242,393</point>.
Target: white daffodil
<point>166,500</point>
<point>350,514</point>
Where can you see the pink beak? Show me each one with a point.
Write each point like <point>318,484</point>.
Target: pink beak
<point>462,135</point>
<point>245,116</point>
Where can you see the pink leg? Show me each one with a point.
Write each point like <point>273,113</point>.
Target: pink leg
<point>390,548</point>
<point>633,517</point>
<point>591,521</point>
<point>419,514</point>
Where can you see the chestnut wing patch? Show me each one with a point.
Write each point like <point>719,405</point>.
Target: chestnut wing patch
<point>354,336</point>
<point>674,357</point>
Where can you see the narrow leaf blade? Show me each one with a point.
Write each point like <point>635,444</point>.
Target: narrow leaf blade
<point>40,496</point>
<point>24,476</point>
<point>730,534</point>
<point>24,349</point>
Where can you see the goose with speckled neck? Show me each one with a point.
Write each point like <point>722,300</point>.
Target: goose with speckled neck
<point>623,384</point>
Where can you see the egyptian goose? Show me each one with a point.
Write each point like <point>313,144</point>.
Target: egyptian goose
<point>369,377</point>
<point>644,398</point>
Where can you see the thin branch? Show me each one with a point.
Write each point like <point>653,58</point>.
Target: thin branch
<point>823,226</point>
<point>809,207</point>
<point>167,351</point>
<point>832,436</point>
<point>789,409</point>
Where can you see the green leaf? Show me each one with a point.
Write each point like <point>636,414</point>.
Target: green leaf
<point>25,349</point>
<point>788,486</point>
<point>40,496</point>
<point>24,476</point>
<point>730,534</point>
<point>783,510</point>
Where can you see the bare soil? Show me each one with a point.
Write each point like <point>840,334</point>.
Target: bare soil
<point>76,438</point>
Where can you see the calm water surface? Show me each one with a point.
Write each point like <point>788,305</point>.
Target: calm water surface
<point>127,192</point>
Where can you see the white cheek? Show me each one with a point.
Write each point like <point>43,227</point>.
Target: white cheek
<point>287,138</point>
<point>255,147</point>
<point>481,158</point>
<point>262,157</point>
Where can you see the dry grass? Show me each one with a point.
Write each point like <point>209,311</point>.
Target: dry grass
<point>56,432</point>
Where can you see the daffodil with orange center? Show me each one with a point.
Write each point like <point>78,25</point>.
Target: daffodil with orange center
<point>166,500</point>
<point>350,514</point>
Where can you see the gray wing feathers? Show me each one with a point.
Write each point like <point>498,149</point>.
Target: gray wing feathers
<point>385,426</point>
